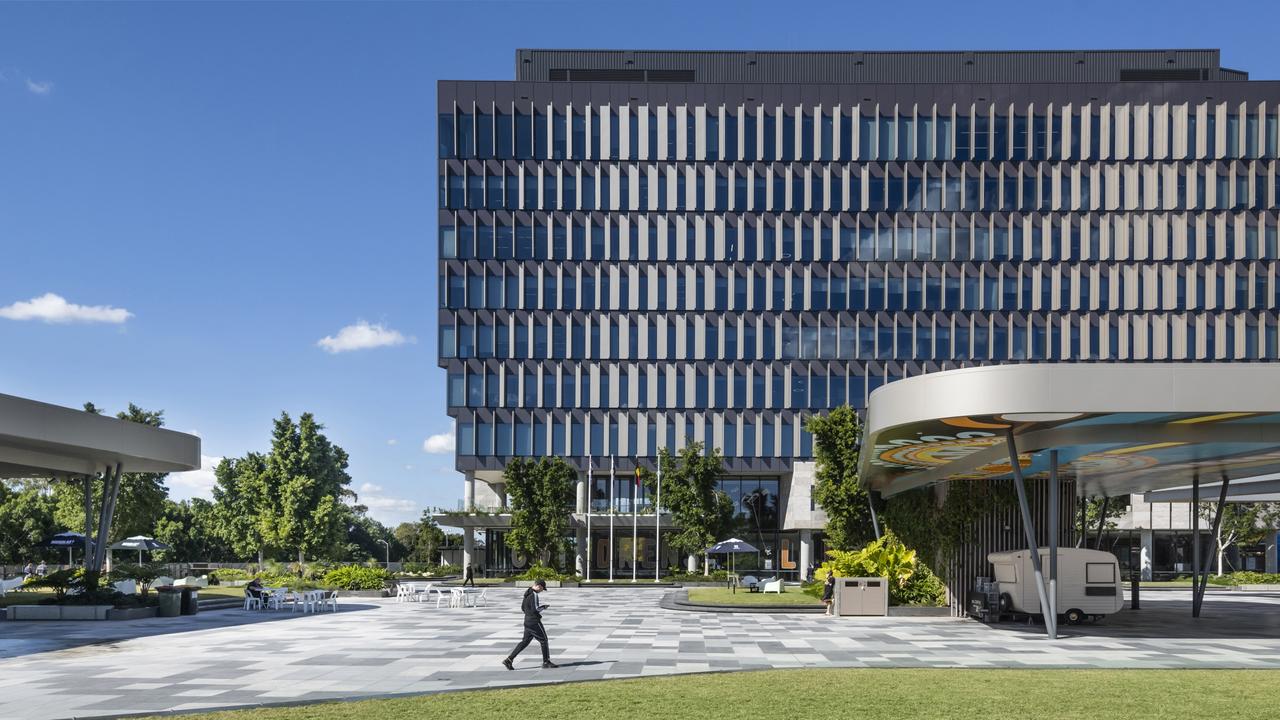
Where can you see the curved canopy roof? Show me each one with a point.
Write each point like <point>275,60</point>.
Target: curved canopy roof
<point>1118,428</point>
<point>41,440</point>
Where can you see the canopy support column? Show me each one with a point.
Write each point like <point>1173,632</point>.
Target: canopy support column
<point>1102,522</point>
<point>110,492</point>
<point>1201,581</point>
<point>1053,537</point>
<point>1195,543</point>
<point>1028,527</point>
<point>88,520</point>
<point>875,521</point>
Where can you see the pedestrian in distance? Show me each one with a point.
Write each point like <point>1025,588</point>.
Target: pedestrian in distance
<point>29,569</point>
<point>41,569</point>
<point>468,577</point>
<point>828,592</point>
<point>533,629</point>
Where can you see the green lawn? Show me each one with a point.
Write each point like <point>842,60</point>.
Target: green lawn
<point>724,596</point>
<point>221,591</point>
<point>27,597</point>
<point>903,694</point>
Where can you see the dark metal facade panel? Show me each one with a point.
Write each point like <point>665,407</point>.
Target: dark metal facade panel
<point>841,67</point>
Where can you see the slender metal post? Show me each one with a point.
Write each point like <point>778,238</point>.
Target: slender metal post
<point>591,490</point>
<point>875,522</point>
<point>657,527</point>
<point>612,487</point>
<point>1102,522</point>
<point>1197,599</point>
<point>88,520</point>
<point>1195,543</point>
<point>1053,534</point>
<point>1028,527</point>
<point>635,527</point>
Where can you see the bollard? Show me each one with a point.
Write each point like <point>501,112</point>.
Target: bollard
<point>1133,594</point>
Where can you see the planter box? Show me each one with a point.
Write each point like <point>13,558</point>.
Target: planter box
<point>58,612</point>
<point>131,613</point>
<point>529,583</point>
<point>918,611</point>
<point>1257,588</point>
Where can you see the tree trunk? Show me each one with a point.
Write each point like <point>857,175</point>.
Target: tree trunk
<point>259,559</point>
<point>706,564</point>
<point>1221,551</point>
<point>301,560</point>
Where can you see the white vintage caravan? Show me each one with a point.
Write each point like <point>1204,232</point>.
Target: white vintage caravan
<point>1088,582</point>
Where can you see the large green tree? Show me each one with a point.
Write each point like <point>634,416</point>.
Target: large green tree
<point>837,440</point>
<point>235,496</point>
<point>190,527</point>
<point>142,495</point>
<point>691,493</point>
<point>26,519</point>
<point>1241,523</point>
<point>540,493</point>
<point>422,540</point>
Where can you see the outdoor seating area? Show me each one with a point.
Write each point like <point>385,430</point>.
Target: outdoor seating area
<point>454,597</point>
<point>278,598</point>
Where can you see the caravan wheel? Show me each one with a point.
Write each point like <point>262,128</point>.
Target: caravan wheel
<point>1074,616</point>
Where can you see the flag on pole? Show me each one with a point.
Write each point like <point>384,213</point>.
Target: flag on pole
<point>612,505</point>
<point>657,528</point>
<point>635,526</point>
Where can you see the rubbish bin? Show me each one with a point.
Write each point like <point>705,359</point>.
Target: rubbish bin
<point>170,601</point>
<point>190,600</point>
<point>862,596</point>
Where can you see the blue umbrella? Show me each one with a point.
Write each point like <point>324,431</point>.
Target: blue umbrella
<point>67,540</point>
<point>731,547</point>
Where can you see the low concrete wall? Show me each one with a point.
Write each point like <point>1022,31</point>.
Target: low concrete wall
<point>58,612</point>
<point>1256,588</point>
<point>140,613</point>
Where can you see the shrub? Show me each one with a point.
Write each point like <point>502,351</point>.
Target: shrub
<point>144,574</point>
<point>910,581</point>
<point>357,577</point>
<point>439,570</point>
<point>60,581</point>
<point>542,572</point>
<point>1246,577</point>
<point>224,575</point>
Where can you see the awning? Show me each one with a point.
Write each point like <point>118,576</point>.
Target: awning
<point>1118,428</point>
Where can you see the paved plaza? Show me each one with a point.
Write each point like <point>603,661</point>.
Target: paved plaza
<point>379,647</point>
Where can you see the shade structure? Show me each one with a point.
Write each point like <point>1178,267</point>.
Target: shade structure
<point>1113,428</point>
<point>731,547</point>
<point>140,543</point>
<point>1117,428</point>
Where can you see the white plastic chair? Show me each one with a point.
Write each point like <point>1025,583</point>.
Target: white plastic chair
<point>252,602</point>
<point>480,597</point>
<point>773,586</point>
<point>275,601</point>
<point>456,597</point>
<point>404,592</point>
<point>329,599</point>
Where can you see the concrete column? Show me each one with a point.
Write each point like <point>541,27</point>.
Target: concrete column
<point>1146,554</point>
<point>580,552</point>
<point>468,546</point>
<point>806,553</point>
<point>469,492</point>
<point>581,487</point>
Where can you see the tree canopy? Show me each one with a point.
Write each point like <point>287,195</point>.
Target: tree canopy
<point>540,492</point>
<point>691,494</point>
<point>837,439</point>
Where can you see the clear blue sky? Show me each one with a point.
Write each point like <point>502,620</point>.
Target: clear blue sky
<point>246,179</point>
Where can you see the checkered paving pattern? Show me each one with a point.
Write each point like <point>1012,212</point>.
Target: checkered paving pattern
<point>234,658</point>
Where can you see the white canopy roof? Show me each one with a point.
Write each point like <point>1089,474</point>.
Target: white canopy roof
<point>41,440</point>
<point>1118,428</point>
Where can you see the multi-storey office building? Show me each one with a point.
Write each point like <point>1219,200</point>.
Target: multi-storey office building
<point>642,247</point>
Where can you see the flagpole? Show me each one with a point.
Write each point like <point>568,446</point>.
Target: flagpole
<point>591,486</point>
<point>612,487</point>
<point>635,526</point>
<point>657,528</point>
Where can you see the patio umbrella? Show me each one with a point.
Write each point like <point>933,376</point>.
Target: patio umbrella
<point>731,547</point>
<point>139,543</point>
<point>67,540</point>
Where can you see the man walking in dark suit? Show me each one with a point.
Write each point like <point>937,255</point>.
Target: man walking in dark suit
<point>467,577</point>
<point>533,629</point>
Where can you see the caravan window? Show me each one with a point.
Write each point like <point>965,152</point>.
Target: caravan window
<point>1099,573</point>
<point>1005,573</point>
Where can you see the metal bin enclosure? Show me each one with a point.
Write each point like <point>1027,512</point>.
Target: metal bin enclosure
<point>862,596</point>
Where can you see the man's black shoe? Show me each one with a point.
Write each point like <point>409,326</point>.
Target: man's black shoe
<point>549,664</point>
<point>506,663</point>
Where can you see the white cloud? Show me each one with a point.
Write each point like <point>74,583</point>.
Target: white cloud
<point>194,483</point>
<point>39,87</point>
<point>385,509</point>
<point>408,467</point>
<point>362,336</point>
<point>393,441</point>
<point>441,443</point>
<point>53,308</point>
